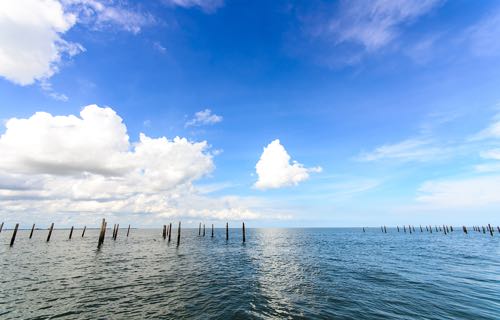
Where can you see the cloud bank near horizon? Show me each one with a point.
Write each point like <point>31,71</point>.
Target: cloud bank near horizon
<point>86,164</point>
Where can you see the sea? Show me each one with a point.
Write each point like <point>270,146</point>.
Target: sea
<point>315,273</point>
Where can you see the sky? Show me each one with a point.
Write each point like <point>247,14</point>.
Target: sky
<point>276,113</point>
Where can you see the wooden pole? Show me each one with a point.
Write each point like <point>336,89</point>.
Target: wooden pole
<point>83,232</point>
<point>398,228</point>
<point>199,230</point>
<point>451,228</point>
<point>491,229</point>
<point>164,232</point>
<point>212,230</point>
<point>227,231</point>
<point>1,227</point>
<point>363,229</point>
<point>116,232</point>
<point>169,231</point>
<point>430,229</point>
<point>404,228</point>
<point>14,235</point>
<point>498,228</point>
<point>128,230</point>
<point>421,229</point>
<point>71,233</point>
<point>32,228</point>
<point>243,229</point>
<point>179,234</point>
<point>465,229</point>
<point>385,229</point>
<point>409,228</point>
<point>203,229</point>
<point>50,231</point>
<point>101,234</point>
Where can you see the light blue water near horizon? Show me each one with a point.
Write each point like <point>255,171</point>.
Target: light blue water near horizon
<point>278,273</point>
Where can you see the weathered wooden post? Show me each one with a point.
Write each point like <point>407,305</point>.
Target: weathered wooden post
<point>465,229</point>
<point>128,230</point>
<point>426,228</point>
<point>83,232</point>
<point>398,228</point>
<point>101,233</point>
<point>32,228</point>
<point>444,229</point>
<point>1,227</point>
<point>451,228</point>
<point>50,231</point>
<point>491,229</point>
<point>404,228</point>
<point>199,229</point>
<point>116,231</point>
<point>179,234</point>
<point>447,229</point>
<point>413,228</point>
<point>243,229</point>
<point>212,230</point>
<point>227,231</point>
<point>385,229</point>
<point>71,233</point>
<point>169,231</point>
<point>421,230</point>
<point>409,228</point>
<point>164,232</point>
<point>382,229</point>
<point>483,229</point>
<point>430,229</point>
<point>363,229</point>
<point>498,228</point>
<point>203,229</point>
<point>14,235</point>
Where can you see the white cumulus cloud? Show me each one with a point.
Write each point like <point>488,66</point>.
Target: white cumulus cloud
<point>31,43</point>
<point>86,164</point>
<point>274,169</point>
<point>204,117</point>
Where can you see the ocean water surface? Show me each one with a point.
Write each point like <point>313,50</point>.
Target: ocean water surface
<point>337,273</point>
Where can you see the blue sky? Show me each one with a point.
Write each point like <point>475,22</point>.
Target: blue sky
<point>391,110</point>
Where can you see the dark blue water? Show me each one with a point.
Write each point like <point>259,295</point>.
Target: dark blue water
<point>277,273</point>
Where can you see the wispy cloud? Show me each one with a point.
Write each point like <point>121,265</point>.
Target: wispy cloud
<point>415,149</point>
<point>490,132</point>
<point>47,88</point>
<point>374,24</point>
<point>465,192</point>
<point>483,36</point>
<point>208,6</point>
<point>204,117</point>
<point>101,14</point>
